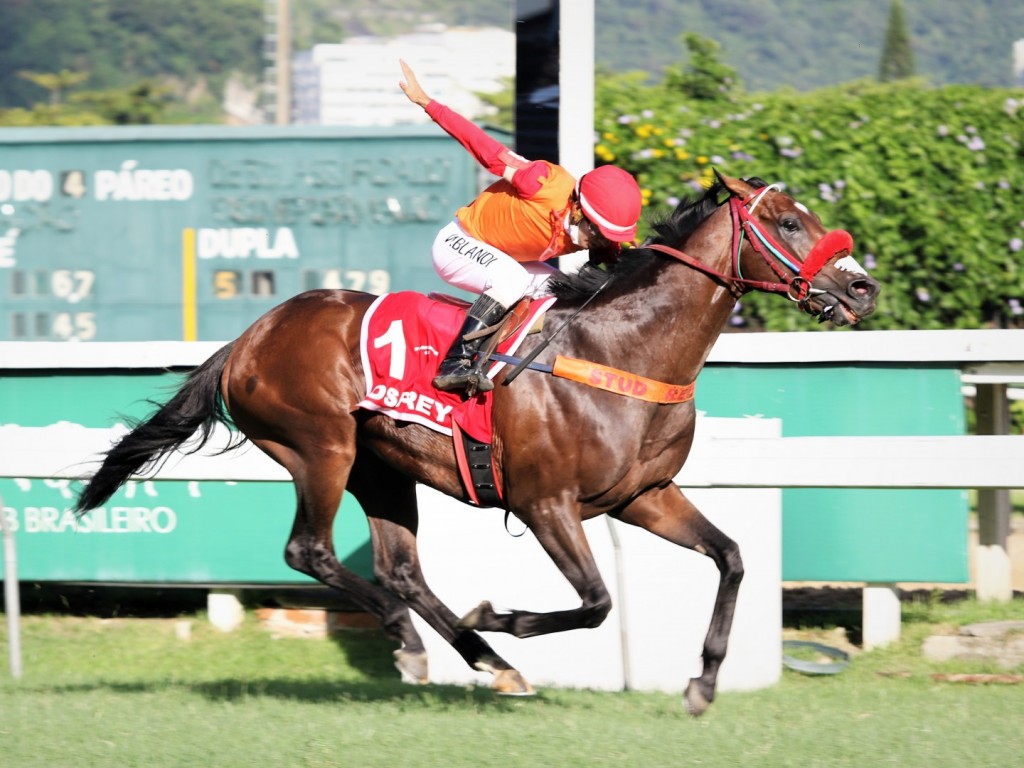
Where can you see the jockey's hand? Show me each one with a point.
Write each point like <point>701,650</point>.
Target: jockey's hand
<point>411,86</point>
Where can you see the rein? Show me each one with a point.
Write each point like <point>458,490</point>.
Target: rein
<point>796,287</point>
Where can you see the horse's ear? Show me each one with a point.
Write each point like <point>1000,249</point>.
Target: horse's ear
<point>737,187</point>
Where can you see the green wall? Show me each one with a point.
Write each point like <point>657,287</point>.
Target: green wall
<point>236,532</point>
<point>163,531</point>
<point>856,534</point>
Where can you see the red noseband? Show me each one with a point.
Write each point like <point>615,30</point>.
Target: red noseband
<point>831,245</point>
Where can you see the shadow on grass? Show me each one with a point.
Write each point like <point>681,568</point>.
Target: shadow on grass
<point>368,651</point>
<point>320,692</point>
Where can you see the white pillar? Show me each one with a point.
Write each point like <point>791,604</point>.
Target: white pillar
<point>881,615</point>
<point>576,86</point>
<point>993,573</point>
<point>576,98</point>
<point>224,607</point>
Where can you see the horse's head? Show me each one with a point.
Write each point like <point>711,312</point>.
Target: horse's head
<point>778,244</point>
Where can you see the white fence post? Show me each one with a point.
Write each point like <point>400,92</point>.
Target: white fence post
<point>12,597</point>
<point>881,615</point>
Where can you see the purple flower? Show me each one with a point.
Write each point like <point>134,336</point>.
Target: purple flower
<point>626,119</point>
<point>673,201</point>
<point>1004,184</point>
<point>942,130</point>
<point>958,266</point>
<point>1015,307</point>
<point>1016,244</point>
<point>869,261</point>
<point>976,144</point>
<point>736,319</point>
<point>923,295</point>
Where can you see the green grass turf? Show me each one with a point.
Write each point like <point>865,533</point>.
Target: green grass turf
<point>129,692</point>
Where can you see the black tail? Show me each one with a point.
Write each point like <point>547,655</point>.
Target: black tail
<point>196,406</point>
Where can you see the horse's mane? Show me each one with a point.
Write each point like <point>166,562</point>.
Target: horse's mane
<point>673,230</point>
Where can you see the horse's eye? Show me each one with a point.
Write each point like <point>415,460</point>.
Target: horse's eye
<point>790,224</point>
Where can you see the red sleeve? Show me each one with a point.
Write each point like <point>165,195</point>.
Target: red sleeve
<point>490,153</point>
<point>529,178</point>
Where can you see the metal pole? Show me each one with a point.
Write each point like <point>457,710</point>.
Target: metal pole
<point>620,583</point>
<point>994,578</point>
<point>12,598</point>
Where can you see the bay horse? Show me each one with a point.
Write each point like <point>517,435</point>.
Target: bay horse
<point>291,383</point>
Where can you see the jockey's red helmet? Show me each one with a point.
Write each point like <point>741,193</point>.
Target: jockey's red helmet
<point>610,199</point>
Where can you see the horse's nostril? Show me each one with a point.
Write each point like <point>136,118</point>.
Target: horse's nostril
<point>863,288</point>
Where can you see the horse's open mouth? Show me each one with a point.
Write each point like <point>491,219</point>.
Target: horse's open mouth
<point>838,313</point>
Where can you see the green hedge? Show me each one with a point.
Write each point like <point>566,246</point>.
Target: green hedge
<point>929,181</point>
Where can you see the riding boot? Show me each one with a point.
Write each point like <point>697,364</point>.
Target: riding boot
<point>458,369</point>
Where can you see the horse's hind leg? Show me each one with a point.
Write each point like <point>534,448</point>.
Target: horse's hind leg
<point>669,514</point>
<point>389,500</point>
<point>319,485</point>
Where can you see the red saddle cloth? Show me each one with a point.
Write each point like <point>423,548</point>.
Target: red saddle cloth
<point>404,338</point>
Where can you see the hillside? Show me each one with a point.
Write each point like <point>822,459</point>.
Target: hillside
<point>800,44</point>
<point>807,44</point>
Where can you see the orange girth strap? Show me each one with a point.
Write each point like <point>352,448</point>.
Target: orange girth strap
<point>621,382</point>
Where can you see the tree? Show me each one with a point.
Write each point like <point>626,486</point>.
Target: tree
<point>897,62</point>
<point>55,82</point>
<point>503,104</point>
<point>141,104</point>
<point>706,78</point>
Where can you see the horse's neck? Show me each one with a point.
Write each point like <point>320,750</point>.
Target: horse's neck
<point>681,325</point>
<point>682,316</point>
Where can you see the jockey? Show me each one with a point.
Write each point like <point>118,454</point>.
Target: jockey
<point>497,245</point>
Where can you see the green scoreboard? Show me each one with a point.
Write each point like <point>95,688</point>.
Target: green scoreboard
<point>191,233</point>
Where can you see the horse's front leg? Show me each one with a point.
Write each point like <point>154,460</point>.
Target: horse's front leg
<point>669,514</point>
<point>560,532</point>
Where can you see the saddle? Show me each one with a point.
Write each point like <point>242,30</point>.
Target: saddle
<point>474,457</point>
<point>509,324</point>
<point>403,336</point>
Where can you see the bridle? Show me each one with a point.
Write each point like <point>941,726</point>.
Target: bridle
<point>795,276</point>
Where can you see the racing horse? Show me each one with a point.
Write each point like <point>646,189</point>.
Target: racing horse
<point>292,381</point>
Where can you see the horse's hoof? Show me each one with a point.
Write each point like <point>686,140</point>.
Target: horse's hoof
<point>472,619</point>
<point>508,682</point>
<point>694,700</point>
<point>413,666</point>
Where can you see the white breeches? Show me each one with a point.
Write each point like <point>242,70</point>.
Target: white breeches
<point>473,265</point>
